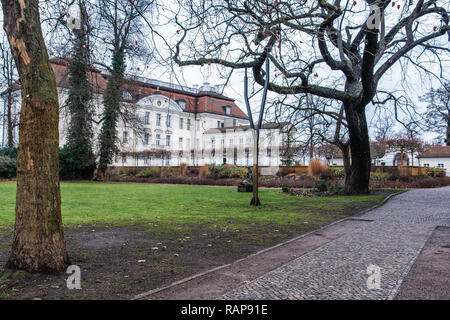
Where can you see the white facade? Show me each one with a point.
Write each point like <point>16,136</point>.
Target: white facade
<point>169,133</point>
<point>194,139</point>
<point>441,163</point>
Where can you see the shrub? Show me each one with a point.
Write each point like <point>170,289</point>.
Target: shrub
<point>238,173</point>
<point>282,172</point>
<point>223,173</point>
<point>72,166</point>
<point>435,172</point>
<point>183,169</point>
<point>426,182</point>
<point>7,167</point>
<point>9,152</point>
<point>286,188</point>
<point>338,172</point>
<point>321,186</point>
<point>112,172</point>
<point>203,172</point>
<point>317,168</point>
<point>169,172</point>
<point>214,170</point>
<point>193,171</point>
<point>148,173</point>
<point>380,175</point>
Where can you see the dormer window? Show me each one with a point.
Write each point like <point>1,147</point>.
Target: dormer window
<point>227,110</point>
<point>182,104</point>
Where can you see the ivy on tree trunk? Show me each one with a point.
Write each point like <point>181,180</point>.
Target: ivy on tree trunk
<point>112,98</point>
<point>80,133</point>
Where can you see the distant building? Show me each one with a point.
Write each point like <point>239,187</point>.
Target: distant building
<point>176,123</point>
<point>436,157</point>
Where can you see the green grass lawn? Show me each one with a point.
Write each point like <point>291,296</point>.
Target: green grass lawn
<point>119,204</point>
<point>177,230</point>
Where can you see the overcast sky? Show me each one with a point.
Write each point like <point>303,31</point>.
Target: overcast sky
<point>414,87</point>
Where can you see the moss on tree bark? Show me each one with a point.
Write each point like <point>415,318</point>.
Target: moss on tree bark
<point>38,244</point>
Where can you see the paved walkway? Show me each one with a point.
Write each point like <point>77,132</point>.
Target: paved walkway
<point>338,270</point>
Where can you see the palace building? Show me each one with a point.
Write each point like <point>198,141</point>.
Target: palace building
<point>173,124</point>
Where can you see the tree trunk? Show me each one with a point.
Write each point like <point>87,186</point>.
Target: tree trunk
<point>255,200</point>
<point>447,140</point>
<point>38,244</point>
<point>346,159</point>
<point>358,180</point>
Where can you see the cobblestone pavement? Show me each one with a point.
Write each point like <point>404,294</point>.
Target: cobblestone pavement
<point>339,269</point>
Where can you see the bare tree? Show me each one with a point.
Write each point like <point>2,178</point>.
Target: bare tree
<point>403,144</point>
<point>438,111</point>
<point>121,27</point>
<point>353,44</point>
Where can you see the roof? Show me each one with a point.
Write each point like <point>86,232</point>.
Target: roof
<point>270,125</point>
<point>436,152</point>
<point>196,101</point>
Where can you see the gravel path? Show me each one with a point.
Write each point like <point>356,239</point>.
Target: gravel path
<point>339,269</point>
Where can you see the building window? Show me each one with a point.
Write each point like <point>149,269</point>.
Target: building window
<point>426,165</point>
<point>188,124</point>
<point>180,143</point>
<point>146,138</point>
<point>168,121</point>
<point>158,139</point>
<point>188,144</point>
<point>146,161</point>
<point>147,118</point>
<point>168,140</point>
<point>182,104</point>
<point>228,110</point>
<point>234,122</point>
<point>440,165</point>
<point>125,137</point>
<point>158,119</point>
<point>124,159</point>
<point>127,95</point>
<point>181,123</point>
<point>198,125</point>
<point>219,124</point>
